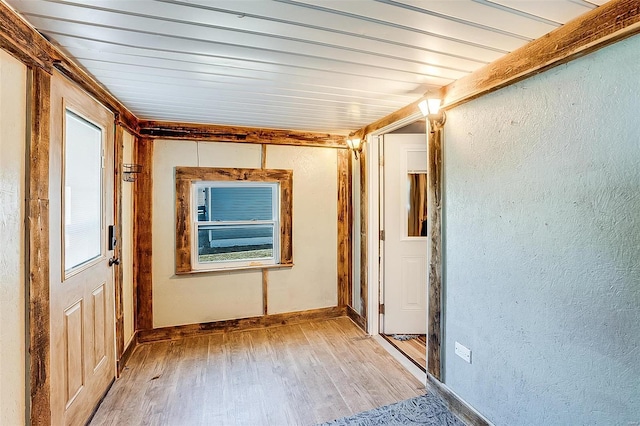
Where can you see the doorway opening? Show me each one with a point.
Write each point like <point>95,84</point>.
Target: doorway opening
<point>402,212</point>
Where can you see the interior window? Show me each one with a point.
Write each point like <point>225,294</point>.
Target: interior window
<point>233,218</point>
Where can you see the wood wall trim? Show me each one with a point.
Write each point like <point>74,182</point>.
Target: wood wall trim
<point>434,249</point>
<point>118,270</point>
<point>218,133</point>
<point>364,242</point>
<point>38,246</point>
<point>142,240</point>
<point>358,319</point>
<point>23,41</point>
<point>126,353</point>
<point>345,287</point>
<point>455,404</point>
<point>595,29</point>
<point>251,323</point>
<point>600,27</point>
<point>394,117</point>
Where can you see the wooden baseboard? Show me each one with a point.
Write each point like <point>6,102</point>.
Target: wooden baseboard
<point>264,321</point>
<point>456,404</point>
<point>122,362</point>
<point>357,318</point>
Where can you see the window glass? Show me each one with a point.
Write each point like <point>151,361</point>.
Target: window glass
<point>236,222</point>
<point>82,191</point>
<point>417,214</point>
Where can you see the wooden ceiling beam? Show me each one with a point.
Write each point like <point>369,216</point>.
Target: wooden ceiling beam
<point>604,25</point>
<point>210,132</point>
<point>611,22</point>
<point>24,42</point>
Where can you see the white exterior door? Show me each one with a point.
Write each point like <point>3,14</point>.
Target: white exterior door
<point>405,229</point>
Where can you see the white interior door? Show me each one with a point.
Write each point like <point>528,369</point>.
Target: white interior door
<point>81,275</point>
<point>405,228</point>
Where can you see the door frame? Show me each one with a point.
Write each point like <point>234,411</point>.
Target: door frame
<point>434,310</point>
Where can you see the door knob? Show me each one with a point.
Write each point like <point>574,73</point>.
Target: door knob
<point>114,261</point>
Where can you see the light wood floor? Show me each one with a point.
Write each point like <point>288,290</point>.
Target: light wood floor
<point>414,349</point>
<point>291,375</point>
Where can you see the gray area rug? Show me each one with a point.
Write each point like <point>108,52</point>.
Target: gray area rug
<point>422,410</point>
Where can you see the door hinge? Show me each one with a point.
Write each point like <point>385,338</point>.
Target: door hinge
<point>382,235</point>
<point>381,308</point>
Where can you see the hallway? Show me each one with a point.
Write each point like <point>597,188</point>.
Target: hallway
<point>299,374</point>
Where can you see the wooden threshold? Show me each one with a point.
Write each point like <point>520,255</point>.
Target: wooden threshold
<point>415,350</point>
<point>251,323</point>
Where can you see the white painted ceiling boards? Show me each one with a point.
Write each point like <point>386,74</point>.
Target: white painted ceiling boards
<point>323,65</point>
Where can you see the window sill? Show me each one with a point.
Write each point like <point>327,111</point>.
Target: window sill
<point>237,268</point>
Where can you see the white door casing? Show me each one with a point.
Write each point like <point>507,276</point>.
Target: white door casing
<point>404,255</point>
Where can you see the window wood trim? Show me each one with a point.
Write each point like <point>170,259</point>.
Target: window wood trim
<point>185,176</point>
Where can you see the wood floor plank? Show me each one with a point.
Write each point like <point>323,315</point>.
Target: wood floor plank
<point>299,374</point>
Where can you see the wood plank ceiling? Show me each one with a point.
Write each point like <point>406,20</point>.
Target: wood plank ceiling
<point>319,65</point>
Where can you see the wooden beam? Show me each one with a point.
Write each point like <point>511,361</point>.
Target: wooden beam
<point>344,229</point>
<point>394,117</point>
<point>79,76</point>
<point>252,323</point>
<point>210,132</point>
<point>38,246</point>
<point>23,41</point>
<point>364,221</point>
<point>595,29</point>
<point>434,248</point>
<point>118,270</point>
<point>142,213</point>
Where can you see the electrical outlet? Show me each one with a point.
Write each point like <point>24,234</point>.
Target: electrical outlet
<point>463,352</point>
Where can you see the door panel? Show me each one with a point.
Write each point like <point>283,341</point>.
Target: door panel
<point>81,280</point>
<point>405,243</point>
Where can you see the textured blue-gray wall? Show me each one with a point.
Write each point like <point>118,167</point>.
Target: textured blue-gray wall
<point>542,245</point>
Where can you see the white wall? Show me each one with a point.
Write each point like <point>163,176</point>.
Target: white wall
<point>12,250</point>
<point>127,243</point>
<point>204,297</point>
<point>542,245</point>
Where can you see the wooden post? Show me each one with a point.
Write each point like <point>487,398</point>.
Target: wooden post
<point>118,278</point>
<point>38,247</point>
<point>364,220</point>
<point>434,249</point>
<point>142,211</point>
<point>344,228</point>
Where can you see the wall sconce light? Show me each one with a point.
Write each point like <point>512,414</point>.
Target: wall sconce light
<point>355,145</point>
<point>130,172</point>
<point>430,108</point>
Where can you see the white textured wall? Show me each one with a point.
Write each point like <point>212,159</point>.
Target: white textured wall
<point>312,282</point>
<point>542,245</point>
<point>204,297</point>
<point>127,243</point>
<point>12,281</point>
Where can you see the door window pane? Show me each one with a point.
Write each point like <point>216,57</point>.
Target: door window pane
<point>417,206</point>
<point>82,191</point>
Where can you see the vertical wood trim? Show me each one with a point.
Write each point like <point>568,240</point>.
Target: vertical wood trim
<point>38,246</point>
<point>265,292</point>
<point>344,228</point>
<point>364,223</point>
<point>142,213</point>
<point>263,156</point>
<point>117,186</point>
<point>434,250</point>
